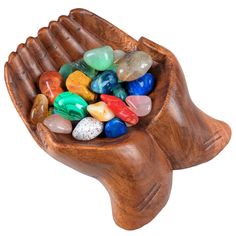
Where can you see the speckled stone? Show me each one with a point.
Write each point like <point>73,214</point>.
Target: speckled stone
<point>87,129</point>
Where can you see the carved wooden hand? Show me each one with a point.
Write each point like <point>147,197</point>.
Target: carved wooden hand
<point>136,169</point>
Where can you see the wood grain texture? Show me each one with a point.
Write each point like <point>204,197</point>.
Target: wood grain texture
<point>136,169</point>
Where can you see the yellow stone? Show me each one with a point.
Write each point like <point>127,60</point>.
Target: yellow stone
<point>100,111</point>
<point>77,82</point>
<point>39,109</point>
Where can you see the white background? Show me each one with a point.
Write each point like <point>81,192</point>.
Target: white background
<point>39,196</point>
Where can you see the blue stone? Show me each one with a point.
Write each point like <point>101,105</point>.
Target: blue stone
<point>115,128</point>
<point>141,86</point>
<point>104,82</point>
<point>119,92</point>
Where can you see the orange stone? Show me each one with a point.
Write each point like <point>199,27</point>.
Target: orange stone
<point>51,84</point>
<point>39,109</point>
<point>78,83</point>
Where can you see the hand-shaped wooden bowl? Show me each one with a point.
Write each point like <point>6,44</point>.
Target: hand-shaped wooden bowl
<point>136,169</point>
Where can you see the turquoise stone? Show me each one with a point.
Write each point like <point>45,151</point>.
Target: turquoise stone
<point>104,82</point>
<point>99,58</point>
<point>70,106</point>
<point>66,70</point>
<point>85,68</point>
<point>119,92</point>
<point>115,128</point>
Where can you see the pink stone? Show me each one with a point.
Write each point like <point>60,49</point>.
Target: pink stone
<point>140,105</point>
<point>58,124</point>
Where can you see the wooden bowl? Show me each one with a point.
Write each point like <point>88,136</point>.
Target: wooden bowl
<point>136,169</point>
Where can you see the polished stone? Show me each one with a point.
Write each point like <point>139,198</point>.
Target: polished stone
<point>87,129</point>
<point>100,111</point>
<point>99,58</point>
<point>58,124</point>
<point>119,92</point>
<point>133,65</point>
<point>70,106</point>
<point>115,128</point>
<point>140,105</point>
<point>39,109</point>
<point>66,70</point>
<point>77,82</point>
<point>82,66</point>
<point>51,84</point>
<point>104,82</point>
<point>120,109</point>
<point>142,86</point>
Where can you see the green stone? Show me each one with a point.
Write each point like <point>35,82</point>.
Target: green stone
<point>113,67</point>
<point>119,92</point>
<point>66,70</point>
<point>99,58</point>
<point>70,106</point>
<point>85,68</point>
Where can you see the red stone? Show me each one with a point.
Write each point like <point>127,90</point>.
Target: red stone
<point>120,109</point>
<point>51,84</point>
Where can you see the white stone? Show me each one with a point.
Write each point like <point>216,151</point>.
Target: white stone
<point>87,129</point>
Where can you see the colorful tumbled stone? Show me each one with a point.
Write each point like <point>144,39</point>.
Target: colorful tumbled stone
<point>99,58</point>
<point>87,129</point>
<point>77,82</point>
<point>58,124</point>
<point>85,68</point>
<point>100,111</point>
<point>66,70</point>
<point>120,109</point>
<point>39,109</point>
<point>142,86</point>
<point>70,106</point>
<point>115,128</point>
<point>104,82</point>
<point>140,105</point>
<point>133,65</point>
<point>78,77</point>
<point>51,84</point>
<point>119,92</point>
<point>118,54</point>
